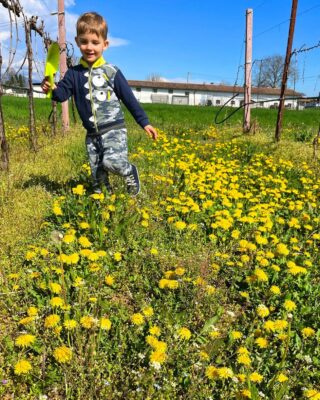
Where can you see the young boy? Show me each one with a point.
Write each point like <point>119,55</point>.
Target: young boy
<point>98,87</point>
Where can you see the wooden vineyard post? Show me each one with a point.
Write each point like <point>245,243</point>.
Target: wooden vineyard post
<point>4,164</point>
<point>32,123</point>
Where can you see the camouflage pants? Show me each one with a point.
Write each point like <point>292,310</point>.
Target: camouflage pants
<point>108,152</point>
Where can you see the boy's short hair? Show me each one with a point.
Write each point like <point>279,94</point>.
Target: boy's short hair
<point>92,22</point>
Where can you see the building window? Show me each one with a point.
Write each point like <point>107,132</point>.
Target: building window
<point>186,93</point>
<point>138,89</point>
<point>154,90</point>
<point>233,102</point>
<point>261,103</point>
<point>170,91</point>
<point>217,102</point>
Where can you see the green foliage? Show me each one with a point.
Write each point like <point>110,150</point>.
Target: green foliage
<point>204,286</point>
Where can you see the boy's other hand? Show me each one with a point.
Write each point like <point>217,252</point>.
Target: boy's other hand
<point>46,86</point>
<point>151,132</point>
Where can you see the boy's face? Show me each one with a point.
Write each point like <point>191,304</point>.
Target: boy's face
<point>91,46</point>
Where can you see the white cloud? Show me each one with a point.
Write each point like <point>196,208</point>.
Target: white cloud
<point>4,35</point>
<point>117,42</point>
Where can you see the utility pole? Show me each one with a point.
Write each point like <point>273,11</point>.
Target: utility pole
<point>63,60</point>
<point>247,72</point>
<point>286,68</point>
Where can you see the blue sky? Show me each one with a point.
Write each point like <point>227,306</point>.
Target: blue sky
<point>202,41</point>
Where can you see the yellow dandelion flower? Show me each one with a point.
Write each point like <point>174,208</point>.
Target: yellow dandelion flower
<point>57,302</point>
<point>70,324</point>
<point>27,320</point>
<point>225,372</point>
<point>204,356</point>
<point>79,190</point>
<point>25,340</point>
<point>180,225</point>
<point>68,239</point>
<point>155,330</point>
<point>154,251</point>
<point>62,354</point>
<point>148,311</point>
<point>262,311</point>
<point>212,372</point>
<point>84,242</point>
<point>158,357</point>
<point>290,305</point>
<point>32,311</point>
<point>105,324</point>
<point>137,319</point>
<point>84,225</point>
<point>282,378</point>
<point>275,290</point>
<point>55,288</point>
<point>109,280</point>
<point>87,322</point>
<point>261,275</point>
<point>246,393</point>
<point>255,377</point>
<point>308,332</point>
<point>282,249</point>
<point>184,333</point>
<point>280,324</point>
<point>261,342</point>
<point>236,335</point>
<point>179,271</point>
<point>22,367</point>
<point>172,284</point>
<point>117,256</point>
<point>51,321</point>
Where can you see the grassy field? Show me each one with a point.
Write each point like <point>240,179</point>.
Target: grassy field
<point>205,286</point>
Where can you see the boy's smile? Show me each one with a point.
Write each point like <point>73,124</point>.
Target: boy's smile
<point>91,46</point>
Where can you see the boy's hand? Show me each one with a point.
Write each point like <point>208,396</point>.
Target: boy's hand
<point>46,86</point>
<point>151,132</point>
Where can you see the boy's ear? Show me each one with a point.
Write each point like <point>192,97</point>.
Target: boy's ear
<point>76,39</point>
<point>106,44</point>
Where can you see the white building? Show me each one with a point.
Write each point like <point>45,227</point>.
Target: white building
<point>208,94</point>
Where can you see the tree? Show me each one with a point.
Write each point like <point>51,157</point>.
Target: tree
<point>268,72</point>
<point>153,77</point>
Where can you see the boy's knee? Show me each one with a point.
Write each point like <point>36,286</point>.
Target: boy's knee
<point>119,167</point>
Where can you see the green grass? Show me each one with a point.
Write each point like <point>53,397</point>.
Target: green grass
<point>203,178</point>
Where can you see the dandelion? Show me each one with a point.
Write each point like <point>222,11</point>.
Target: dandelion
<point>25,340</point>
<point>290,305</point>
<point>261,275</point>
<point>184,333</point>
<point>27,320</point>
<point>137,319</point>
<point>282,378</point>
<point>68,239</point>
<point>179,271</point>
<point>225,372</point>
<point>70,324</point>
<point>155,330</point>
<point>32,311</point>
<point>62,354</point>
<point>117,256</point>
<point>87,322</point>
<point>275,290</point>
<point>307,332</point>
<point>262,311</point>
<point>212,372</point>
<point>55,287</point>
<point>22,367</point>
<point>154,251</point>
<point>180,225</point>
<point>148,311</point>
<point>204,356</point>
<point>79,190</point>
<point>57,302</point>
<point>51,321</point>
<point>261,342</point>
<point>84,242</point>
<point>109,280</point>
<point>236,335</point>
<point>255,377</point>
<point>158,357</point>
<point>105,324</point>
<point>282,249</point>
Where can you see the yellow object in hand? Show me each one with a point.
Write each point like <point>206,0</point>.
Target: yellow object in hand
<point>52,64</point>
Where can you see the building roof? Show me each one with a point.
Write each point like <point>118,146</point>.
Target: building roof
<point>209,87</point>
